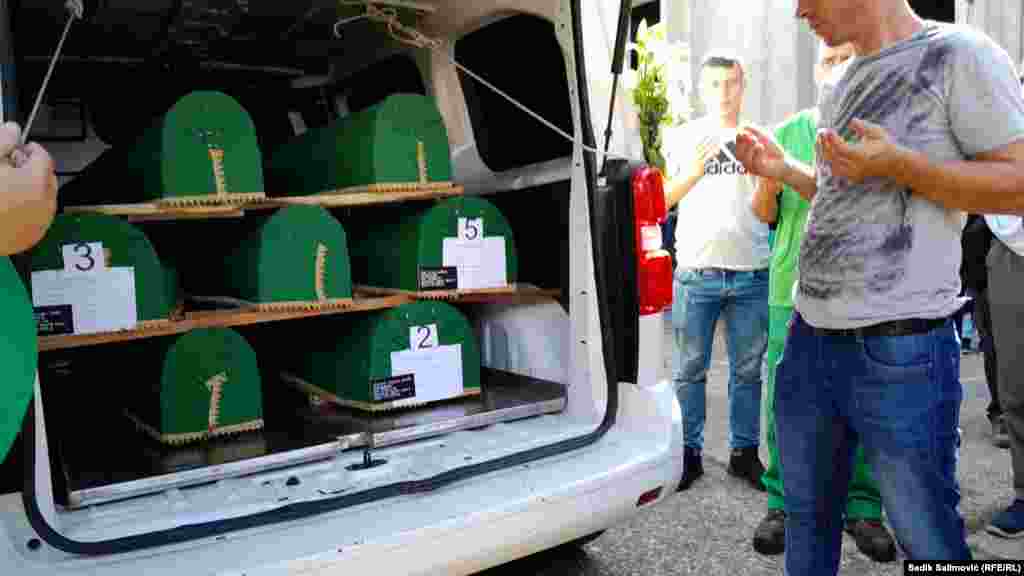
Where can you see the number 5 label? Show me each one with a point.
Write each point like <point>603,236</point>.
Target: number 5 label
<point>83,257</point>
<point>471,228</point>
<point>423,337</point>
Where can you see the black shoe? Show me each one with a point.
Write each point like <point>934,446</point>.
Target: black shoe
<point>873,540</point>
<point>745,464</point>
<point>693,468</point>
<point>770,535</point>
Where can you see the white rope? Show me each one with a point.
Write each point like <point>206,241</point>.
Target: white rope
<point>75,8</point>
<point>417,39</point>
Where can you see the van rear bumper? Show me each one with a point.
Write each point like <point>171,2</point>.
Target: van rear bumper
<point>458,529</point>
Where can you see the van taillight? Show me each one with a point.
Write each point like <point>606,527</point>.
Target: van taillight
<point>653,262</point>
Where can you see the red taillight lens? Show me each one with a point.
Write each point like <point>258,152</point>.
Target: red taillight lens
<point>648,196</point>
<point>648,497</point>
<point>655,281</point>
<point>654,265</point>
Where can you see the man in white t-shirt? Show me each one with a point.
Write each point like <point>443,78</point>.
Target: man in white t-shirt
<point>722,257</point>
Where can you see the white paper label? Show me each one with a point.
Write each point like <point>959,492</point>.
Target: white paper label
<point>422,337</point>
<point>479,264</point>
<point>84,257</point>
<point>438,371</point>
<point>100,302</point>
<point>471,229</point>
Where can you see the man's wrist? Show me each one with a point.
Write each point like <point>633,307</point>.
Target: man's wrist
<point>902,166</point>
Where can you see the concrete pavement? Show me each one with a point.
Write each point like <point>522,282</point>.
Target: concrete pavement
<point>707,530</point>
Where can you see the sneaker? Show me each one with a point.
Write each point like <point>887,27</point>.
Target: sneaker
<point>770,534</point>
<point>744,463</point>
<point>873,540</point>
<point>1010,522</point>
<point>693,468</point>
<point>1000,436</point>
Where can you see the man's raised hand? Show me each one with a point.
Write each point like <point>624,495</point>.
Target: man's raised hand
<point>873,155</point>
<point>759,153</point>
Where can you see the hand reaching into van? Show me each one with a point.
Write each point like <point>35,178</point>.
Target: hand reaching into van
<point>28,192</point>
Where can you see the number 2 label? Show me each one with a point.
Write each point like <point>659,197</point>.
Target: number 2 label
<point>423,337</point>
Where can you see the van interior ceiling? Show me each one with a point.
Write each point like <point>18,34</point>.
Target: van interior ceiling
<point>129,62</point>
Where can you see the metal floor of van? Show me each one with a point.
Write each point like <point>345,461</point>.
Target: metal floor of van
<point>295,433</point>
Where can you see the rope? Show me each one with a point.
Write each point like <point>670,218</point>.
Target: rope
<point>75,8</point>
<point>415,38</point>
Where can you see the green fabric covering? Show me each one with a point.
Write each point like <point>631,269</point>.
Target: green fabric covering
<point>360,351</point>
<point>389,247</point>
<point>155,285</point>
<point>190,363</point>
<point>18,352</point>
<point>171,159</point>
<point>797,135</point>
<point>277,261</point>
<point>376,145</point>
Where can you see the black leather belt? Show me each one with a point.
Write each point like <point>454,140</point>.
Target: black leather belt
<point>891,328</point>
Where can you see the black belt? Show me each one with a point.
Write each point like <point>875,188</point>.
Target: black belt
<point>891,328</point>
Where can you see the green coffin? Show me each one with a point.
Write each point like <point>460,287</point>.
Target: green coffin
<point>389,143</point>
<point>156,285</point>
<point>204,383</point>
<point>356,365</point>
<point>297,255</point>
<point>18,350</point>
<point>205,145</point>
<point>404,247</point>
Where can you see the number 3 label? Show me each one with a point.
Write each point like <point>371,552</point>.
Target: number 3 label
<point>471,228</point>
<point>83,257</point>
<point>423,337</point>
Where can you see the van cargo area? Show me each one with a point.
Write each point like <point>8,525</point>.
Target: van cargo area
<point>259,343</point>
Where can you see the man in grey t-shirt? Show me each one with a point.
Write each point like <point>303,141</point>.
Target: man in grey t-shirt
<point>927,123</point>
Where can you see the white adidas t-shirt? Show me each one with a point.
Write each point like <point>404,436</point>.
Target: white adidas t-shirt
<point>716,227</point>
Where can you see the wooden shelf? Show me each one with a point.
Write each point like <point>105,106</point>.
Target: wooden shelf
<point>367,195</point>
<point>367,298</point>
<point>215,319</point>
<point>150,211</point>
<point>517,293</point>
<point>356,196</point>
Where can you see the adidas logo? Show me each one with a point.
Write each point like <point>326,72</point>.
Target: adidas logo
<point>723,165</point>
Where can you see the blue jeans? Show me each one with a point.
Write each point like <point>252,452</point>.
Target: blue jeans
<point>900,398</point>
<point>700,297</point>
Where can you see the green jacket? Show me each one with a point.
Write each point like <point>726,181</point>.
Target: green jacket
<point>797,135</point>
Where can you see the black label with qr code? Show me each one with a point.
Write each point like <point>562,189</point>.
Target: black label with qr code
<point>442,278</point>
<point>54,320</point>
<point>394,388</point>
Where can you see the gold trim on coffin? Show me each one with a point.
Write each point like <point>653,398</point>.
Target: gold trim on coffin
<point>302,306</point>
<point>232,199</point>
<point>187,437</point>
<point>369,406</point>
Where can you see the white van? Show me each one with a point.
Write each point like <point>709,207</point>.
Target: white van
<point>451,495</point>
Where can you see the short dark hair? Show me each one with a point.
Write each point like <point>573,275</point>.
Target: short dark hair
<point>722,60</point>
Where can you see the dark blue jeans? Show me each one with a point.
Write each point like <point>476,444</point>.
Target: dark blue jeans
<point>700,298</point>
<point>900,398</point>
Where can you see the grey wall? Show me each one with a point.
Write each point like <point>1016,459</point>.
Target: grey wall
<point>1000,19</point>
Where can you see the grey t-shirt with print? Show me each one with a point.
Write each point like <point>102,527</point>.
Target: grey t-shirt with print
<point>876,251</point>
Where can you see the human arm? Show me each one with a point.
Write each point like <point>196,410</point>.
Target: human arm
<point>985,117</point>
<point>991,182</point>
<point>677,188</point>
<point>762,156</point>
<point>28,192</point>
<point>765,203</point>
